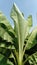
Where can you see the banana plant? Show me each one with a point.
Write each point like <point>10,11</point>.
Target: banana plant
<point>18,46</point>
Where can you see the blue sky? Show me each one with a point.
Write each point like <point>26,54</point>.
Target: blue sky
<point>26,6</point>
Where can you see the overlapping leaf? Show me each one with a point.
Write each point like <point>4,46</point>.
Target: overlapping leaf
<point>32,40</point>
<point>5,28</point>
<point>4,60</point>
<point>33,59</point>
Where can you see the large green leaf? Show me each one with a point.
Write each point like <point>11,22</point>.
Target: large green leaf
<point>6,29</point>
<point>20,24</point>
<point>32,40</point>
<point>29,23</point>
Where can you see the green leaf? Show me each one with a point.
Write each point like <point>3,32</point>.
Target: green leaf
<point>5,21</point>
<point>5,35</point>
<point>21,27</point>
<point>29,23</point>
<point>29,20</point>
<point>19,24</point>
<point>6,46</point>
<point>32,40</point>
<point>5,61</point>
<point>33,59</point>
<point>6,27</point>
